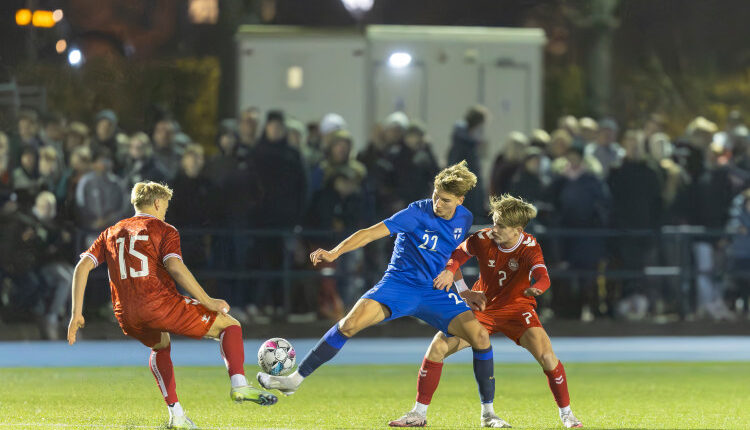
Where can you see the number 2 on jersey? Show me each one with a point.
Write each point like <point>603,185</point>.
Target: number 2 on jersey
<point>121,257</point>
<point>501,277</point>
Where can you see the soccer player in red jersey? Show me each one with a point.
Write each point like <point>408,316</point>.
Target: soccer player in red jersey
<point>509,259</point>
<point>144,260</point>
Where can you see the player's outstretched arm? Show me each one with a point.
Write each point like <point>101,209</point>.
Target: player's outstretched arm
<point>355,241</point>
<point>182,275</point>
<point>445,279</point>
<point>80,278</point>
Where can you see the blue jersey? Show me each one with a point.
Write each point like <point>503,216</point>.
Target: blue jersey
<point>425,241</point>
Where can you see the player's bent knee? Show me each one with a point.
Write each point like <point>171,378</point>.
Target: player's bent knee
<point>163,343</point>
<point>548,360</point>
<point>480,339</point>
<point>349,326</point>
<point>438,348</point>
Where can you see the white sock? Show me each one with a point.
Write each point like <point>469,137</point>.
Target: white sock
<point>238,380</point>
<point>175,410</point>
<point>488,409</point>
<point>420,408</point>
<point>565,410</point>
<point>296,377</point>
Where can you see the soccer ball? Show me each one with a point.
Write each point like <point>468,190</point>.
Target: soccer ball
<point>276,356</point>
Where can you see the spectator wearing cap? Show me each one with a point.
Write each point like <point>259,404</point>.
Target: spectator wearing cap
<point>508,162</point>
<point>166,152</point>
<point>467,136</point>
<point>606,150</point>
<point>331,123</point>
<point>140,164</point>
<point>105,131</point>
<point>581,200</point>
<point>692,149</point>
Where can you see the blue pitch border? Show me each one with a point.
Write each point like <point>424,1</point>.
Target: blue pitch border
<point>186,352</point>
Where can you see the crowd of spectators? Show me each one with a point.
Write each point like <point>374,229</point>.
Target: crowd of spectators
<point>62,182</point>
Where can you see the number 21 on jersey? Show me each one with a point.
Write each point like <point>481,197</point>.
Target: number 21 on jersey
<point>121,257</point>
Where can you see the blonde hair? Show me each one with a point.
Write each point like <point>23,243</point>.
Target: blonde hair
<point>509,211</point>
<point>456,179</point>
<point>144,194</point>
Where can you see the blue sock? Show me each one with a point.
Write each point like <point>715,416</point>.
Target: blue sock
<point>484,372</point>
<point>326,349</point>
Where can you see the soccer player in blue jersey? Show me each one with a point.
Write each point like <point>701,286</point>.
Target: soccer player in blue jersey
<point>427,233</point>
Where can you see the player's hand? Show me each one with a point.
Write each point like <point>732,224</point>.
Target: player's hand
<point>444,280</point>
<point>76,322</point>
<point>475,299</point>
<point>322,256</point>
<point>217,305</point>
<point>532,292</point>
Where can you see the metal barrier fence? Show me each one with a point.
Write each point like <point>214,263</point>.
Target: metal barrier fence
<point>675,260</point>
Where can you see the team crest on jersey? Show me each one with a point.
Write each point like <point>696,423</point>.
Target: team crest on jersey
<point>513,264</point>
<point>458,232</point>
<point>491,263</point>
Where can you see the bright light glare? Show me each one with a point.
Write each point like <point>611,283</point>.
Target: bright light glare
<point>57,15</point>
<point>75,57</point>
<point>61,46</point>
<point>358,5</point>
<point>399,60</point>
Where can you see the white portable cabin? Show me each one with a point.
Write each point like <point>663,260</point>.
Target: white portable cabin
<point>309,72</point>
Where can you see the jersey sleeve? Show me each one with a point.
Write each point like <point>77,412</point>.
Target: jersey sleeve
<point>170,244</point>
<point>403,221</point>
<point>97,249</point>
<point>462,254</point>
<point>537,268</point>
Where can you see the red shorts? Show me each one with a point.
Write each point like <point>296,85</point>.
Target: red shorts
<point>512,321</point>
<point>186,317</point>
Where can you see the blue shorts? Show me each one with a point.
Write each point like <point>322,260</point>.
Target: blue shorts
<point>435,307</point>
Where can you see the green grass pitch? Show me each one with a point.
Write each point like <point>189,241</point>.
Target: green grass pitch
<point>604,395</point>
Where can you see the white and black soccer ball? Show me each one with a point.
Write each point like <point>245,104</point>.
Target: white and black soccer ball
<point>276,356</point>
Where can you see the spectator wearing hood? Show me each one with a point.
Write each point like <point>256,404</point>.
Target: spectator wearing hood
<point>166,151</point>
<point>106,132</point>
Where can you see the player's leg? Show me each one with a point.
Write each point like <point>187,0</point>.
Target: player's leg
<point>537,342</point>
<point>160,363</point>
<point>468,328</point>
<point>366,312</point>
<point>229,332</point>
<point>428,378</point>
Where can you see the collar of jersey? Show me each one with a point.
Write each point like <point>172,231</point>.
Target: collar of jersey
<point>142,214</point>
<point>520,238</point>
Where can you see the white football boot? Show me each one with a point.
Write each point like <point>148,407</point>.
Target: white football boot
<point>410,419</point>
<point>493,421</point>
<point>181,422</point>
<point>569,420</point>
<point>281,383</point>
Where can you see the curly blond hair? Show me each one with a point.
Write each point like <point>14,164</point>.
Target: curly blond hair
<point>509,211</point>
<point>456,179</point>
<point>144,194</point>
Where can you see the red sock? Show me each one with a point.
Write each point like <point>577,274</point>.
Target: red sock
<point>428,380</point>
<point>233,350</point>
<point>558,384</point>
<point>161,366</point>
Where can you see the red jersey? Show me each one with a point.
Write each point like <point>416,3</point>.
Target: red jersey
<point>135,250</point>
<point>504,274</point>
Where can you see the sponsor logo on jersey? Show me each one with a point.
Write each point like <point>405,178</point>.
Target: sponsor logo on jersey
<point>491,263</point>
<point>458,232</point>
<point>529,242</point>
<point>513,264</point>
